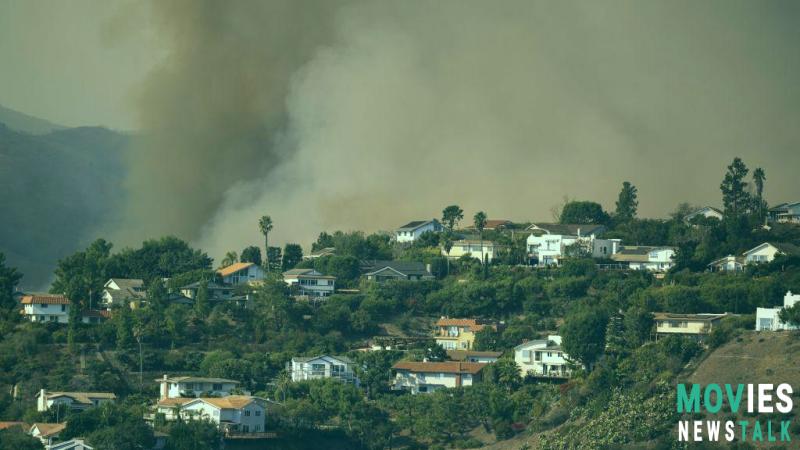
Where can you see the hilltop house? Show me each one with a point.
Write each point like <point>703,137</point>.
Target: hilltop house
<point>324,366</point>
<point>655,259</point>
<point>694,325</point>
<point>549,243</point>
<point>483,251</point>
<point>381,271</point>
<point>215,291</point>
<point>785,213</point>
<point>176,387</point>
<point>240,273</point>
<point>542,358</point>
<point>321,253</point>
<point>46,432</point>
<point>729,263</point>
<point>767,318</point>
<point>309,282</point>
<point>426,377</point>
<point>767,252</point>
<point>234,414</point>
<point>458,334</point>
<point>413,230</point>
<point>73,400</point>
<point>473,356</point>
<point>45,308</point>
<point>707,212</point>
<point>117,291</point>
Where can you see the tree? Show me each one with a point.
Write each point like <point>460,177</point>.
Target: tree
<point>157,295</point>
<point>447,245</point>
<point>124,326</point>
<point>18,440</point>
<point>229,259</point>
<point>451,215</point>
<point>265,226</point>
<point>638,326</point>
<point>790,315</point>
<point>201,306</point>
<point>9,277</point>
<point>583,212</point>
<point>157,258</point>
<point>251,254</point>
<point>480,223</point>
<point>506,373</point>
<point>292,255</point>
<point>194,435</point>
<point>759,176</point>
<point>81,276</point>
<point>627,203</point>
<point>274,259</point>
<point>584,335</point>
<point>374,370</point>
<point>734,189</point>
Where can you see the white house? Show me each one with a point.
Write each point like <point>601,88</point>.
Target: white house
<point>176,387</point>
<point>542,358</point>
<point>706,211</point>
<point>767,318</point>
<point>72,444</point>
<point>310,283</point>
<point>785,213</point>
<point>691,325</point>
<point>73,400</point>
<point>767,252</point>
<point>45,308</point>
<point>234,414</point>
<point>729,263</point>
<point>117,291</point>
<point>654,259</point>
<point>316,367</point>
<point>241,272</point>
<point>548,244</point>
<point>381,271</point>
<point>46,432</point>
<point>426,377</point>
<point>413,230</point>
<point>473,247</point>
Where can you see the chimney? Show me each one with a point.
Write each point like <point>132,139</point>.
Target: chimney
<point>164,388</point>
<point>428,267</point>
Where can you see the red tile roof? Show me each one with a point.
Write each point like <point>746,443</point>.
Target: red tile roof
<point>42,299</point>
<point>440,367</point>
<point>472,324</point>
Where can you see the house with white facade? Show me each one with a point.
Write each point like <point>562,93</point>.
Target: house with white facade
<point>117,291</point>
<point>483,251</point>
<point>324,366</point>
<point>411,231</point>
<point>234,414</point>
<point>728,263</point>
<point>47,433</point>
<point>767,318</point>
<point>72,444</point>
<point>72,400</point>
<point>549,243</point>
<point>707,212</point>
<point>427,377</point>
<point>766,252</point>
<point>693,325</point>
<point>309,282</point>
<point>785,213</point>
<point>45,308</point>
<point>542,358</point>
<point>382,271</point>
<point>641,257</point>
<point>241,273</point>
<point>176,387</point>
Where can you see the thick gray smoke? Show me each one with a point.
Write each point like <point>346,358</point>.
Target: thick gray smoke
<point>366,115</point>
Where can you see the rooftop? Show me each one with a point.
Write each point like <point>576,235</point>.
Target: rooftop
<point>462,355</point>
<point>233,268</point>
<point>45,299</point>
<point>415,224</point>
<point>569,229</point>
<point>705,317</point>
<point>190,379</point>
<point>440,367</point>
<point>404,267</point>
<point>82,397</point>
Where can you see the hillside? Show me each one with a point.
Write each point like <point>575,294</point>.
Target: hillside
<point>57,187</point>
<point>24,123</point>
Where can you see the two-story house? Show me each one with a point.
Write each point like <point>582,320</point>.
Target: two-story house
<point>766,252</point>
<point>767,319</point>
<point>72,400</point>
<point>240,273</point>
<point>728,263</point>
<point>309,282</point>
<point>548,243</point>
<point>45,308</point>
<point>694,325</point>
<point>642,257</point>
<point>234,414</point>
<point>785,213</point>
<point>324,366</point>
<point>427,377</point>
<point>411,231</point>
<point>176,387</point>
<point>118,291</point>
<point>482,250</point>
<point>542,358</point>
<point>458,334</point>
<point>382,271</point>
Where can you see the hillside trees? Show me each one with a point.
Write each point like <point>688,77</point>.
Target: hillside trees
<point>157,258</point>
<point>9,277</point>
<point>583,212</point>
<point>81,276</point>
<point>292,256</point>
<point>584,335</point>
<point>734,189</point>
<point>451,215</point>
<point>627,203</point>
<point>251,254</point>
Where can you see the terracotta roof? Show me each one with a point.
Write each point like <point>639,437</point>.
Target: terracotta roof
<point>7,425</point>
<point>233,268</point>
<point>44,299</point>
<point>177,401</point>
<point>104,313</point>
<point>472,324</point>
<point>49,429</point>
<point>461,355</point>
<point>230,402</point>
<point>440,367</point>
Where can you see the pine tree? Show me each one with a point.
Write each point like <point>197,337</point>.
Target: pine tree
<point>734,189</point>
<point>627,203</point>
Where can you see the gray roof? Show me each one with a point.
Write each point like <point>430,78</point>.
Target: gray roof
<point>404,267</point>
<point>125,283</point>
<point>343,359</point>
<point>787,248</point>
<point>641,249</point>
<point>210,285</point>
<point>568,229</point>
<point>188,379</point>
<point>416,224</point>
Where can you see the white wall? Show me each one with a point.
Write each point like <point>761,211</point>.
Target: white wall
<point>47,313</point>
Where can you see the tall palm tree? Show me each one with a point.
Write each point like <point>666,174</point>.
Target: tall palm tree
<point>230,258</point>
<point>759,176</point>
<point>447,245</point>
<point>265,225</point>
<point>480,223</point>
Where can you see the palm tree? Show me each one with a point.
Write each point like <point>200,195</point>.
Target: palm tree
<point>759,176</point>
<point>480,223</point>
<point>230,258</point>
<point>265,225</point>
<point>447,245</point>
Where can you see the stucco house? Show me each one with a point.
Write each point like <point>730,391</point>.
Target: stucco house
<point>549,243</point>
<point>240,273</point>
<point>382,271</point>
<point>309,282</point>
<point>176,387</point>
<point>542,358</point>
<point>641,257</point>
<point>728,263</point>
<point>694,325</point>
<point>427,377</point>
<point>785,213</point>
<point>234,414</point>
<point>73,400</point>
<point>458,334</point>
<point>325,366</point>
<point>411,231</point>
<point>45,308</point>
<point>767,318</point>
<point>483,251</point>
<point>766,252</point>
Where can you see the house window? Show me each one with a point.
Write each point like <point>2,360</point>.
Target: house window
<point>559,354</point>
<point>63,308</point>
<point>246,428</point>
<point>247,412</point>
<point>258,412</point>
<point>766,324</point>
<point>257,428</point>
<point>217,387</point>
<point>318,369</point>
<point>537,356</point>
<point>549,354</point>
<point>44,305</point>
